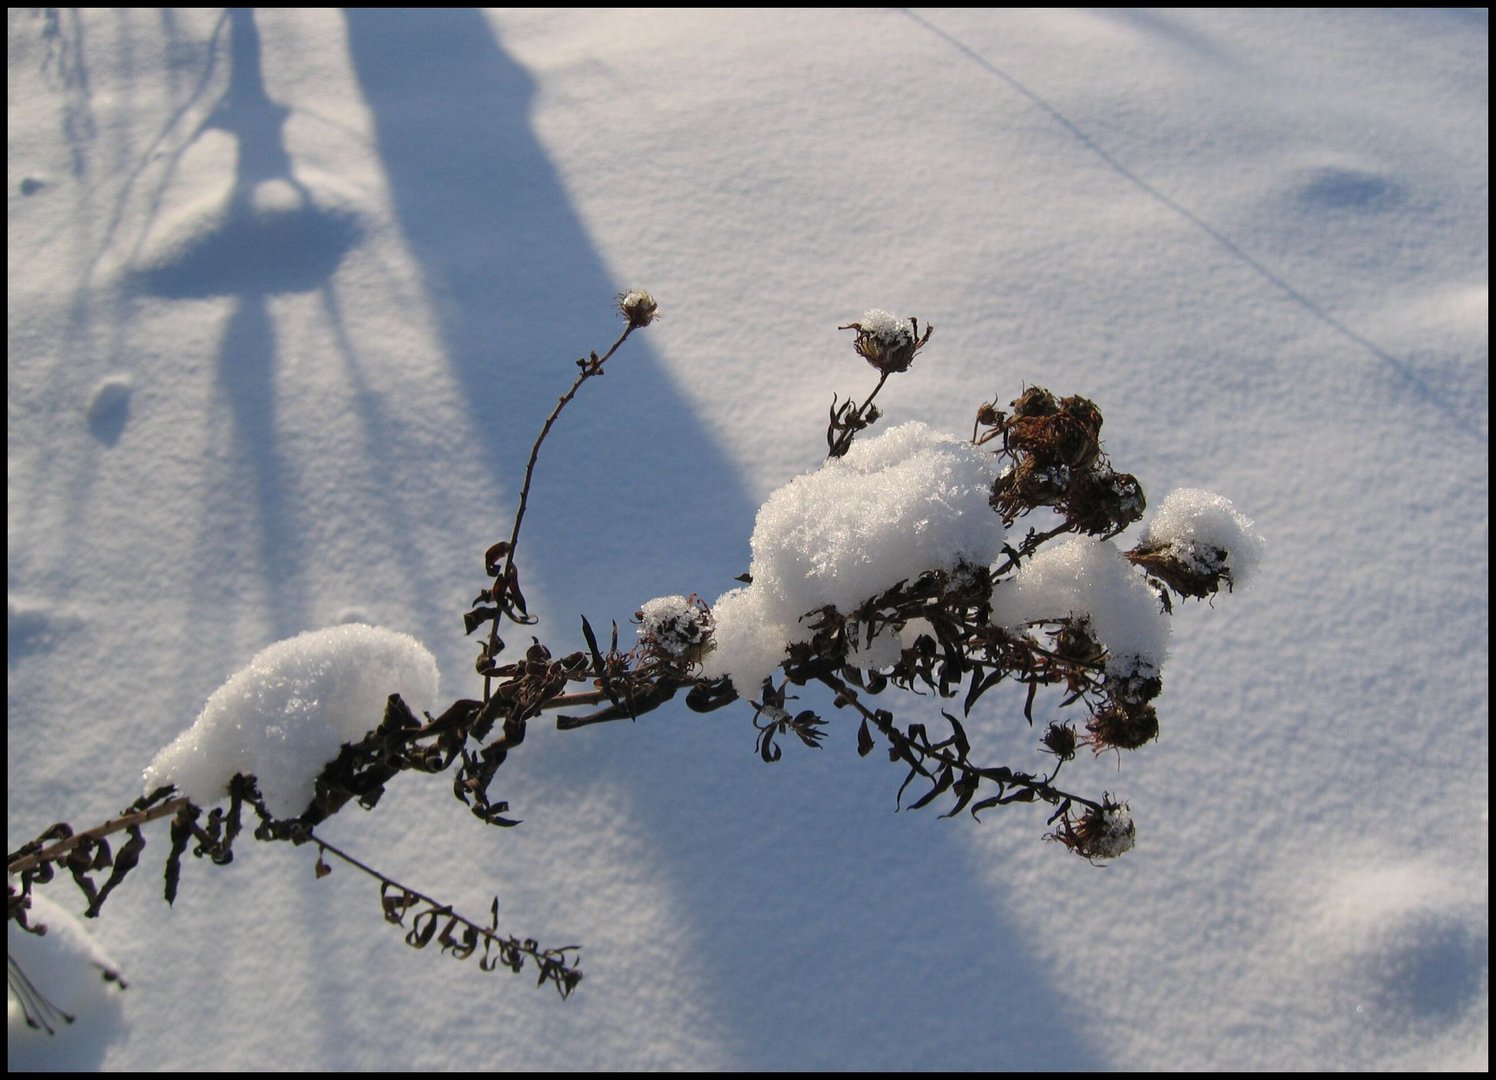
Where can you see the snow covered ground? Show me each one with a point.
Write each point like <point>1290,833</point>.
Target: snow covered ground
<point>290,293</point>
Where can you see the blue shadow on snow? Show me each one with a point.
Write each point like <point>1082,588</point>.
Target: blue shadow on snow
<point>806,945</point>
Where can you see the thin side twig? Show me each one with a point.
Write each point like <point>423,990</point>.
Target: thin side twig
<point>22,861</point>
<point>590,367</point>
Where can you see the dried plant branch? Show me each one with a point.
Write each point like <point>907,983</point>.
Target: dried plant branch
<point>555,965</point>
<point>505,589</point>
<point>30,857</point>
<point>936,632</point>
<point>954,759</point>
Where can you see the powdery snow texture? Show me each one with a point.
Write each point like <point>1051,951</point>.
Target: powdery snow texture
<point>1192,522</point>
<point>896,505</point>
<point>1087,578</point>
<point>285,716</point>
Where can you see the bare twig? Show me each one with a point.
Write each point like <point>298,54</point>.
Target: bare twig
<point>21,861</point>
<point>590,367</point>
<point>554,964</point>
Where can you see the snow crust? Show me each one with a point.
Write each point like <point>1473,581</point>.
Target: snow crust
<point>283,717</point>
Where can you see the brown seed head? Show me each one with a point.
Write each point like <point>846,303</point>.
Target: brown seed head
<point>638,307</point>
<point>887,342</point>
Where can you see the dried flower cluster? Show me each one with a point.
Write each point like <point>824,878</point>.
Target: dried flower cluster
<point>1055,449</point>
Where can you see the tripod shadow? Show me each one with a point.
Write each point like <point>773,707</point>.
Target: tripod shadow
<point>515,276</point>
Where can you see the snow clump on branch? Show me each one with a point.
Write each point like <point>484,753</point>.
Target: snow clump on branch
<point>287,714</point>
<point>895,506</point>
<point>1207,534</point>
<point>1089,580</point>
<point>679,626</point>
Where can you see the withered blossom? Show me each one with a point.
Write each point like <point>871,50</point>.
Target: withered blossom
<point>638,307</point>
<point>887,342</point>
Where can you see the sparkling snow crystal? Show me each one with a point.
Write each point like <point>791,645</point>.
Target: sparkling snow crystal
<point>890,330</point>
<point>285,716</point>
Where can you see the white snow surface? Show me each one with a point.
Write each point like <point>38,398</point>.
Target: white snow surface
<point>284,717</point>
<point>83,1009</point>
<point>291,292</point>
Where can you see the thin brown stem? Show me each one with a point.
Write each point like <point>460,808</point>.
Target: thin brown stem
<point>854,422</point>
<point>552,961</point>
<point>590,367</point>
<point>1042,788</point>
<point>20,863</point>
<point>366,868</point>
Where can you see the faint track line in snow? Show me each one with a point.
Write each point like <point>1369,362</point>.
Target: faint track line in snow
<point>1417,383</point>
<point>152,152</point>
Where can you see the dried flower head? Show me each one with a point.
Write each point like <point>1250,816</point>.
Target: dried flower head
<point>1102,502</point>
<point>1035,401</point>
<point>1029,484</point>
<point>989,424</point>
<point>1065,432</point>
<point>1133,680</point>
<point>887,342</point>
<point>676,629</point>
<point>1122,727</point>
<point>1103,832</point>
<point>1074,640</point>
<point>1197,542</point>
<point>1060,740</point>
<point>638,307</point>
<point>1190,568</point>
